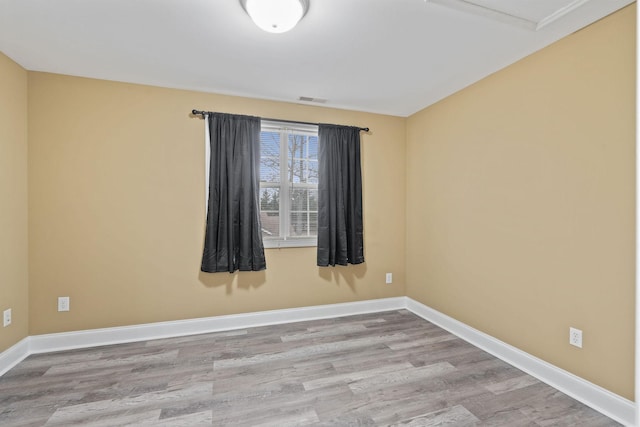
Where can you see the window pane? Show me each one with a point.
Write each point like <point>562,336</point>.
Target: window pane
<point>296,158</point>
<point>312,173</point>
<point>301,224</point>
<point>302,155</point>
<point>304,215</point>
<point>269,157</point>
<point>313,147</point>
<point>304,199</point>
<point>296,171</point>
<point>313,200</point>
<point>313,223</point>
<point>270,212</point>
<point>299,199</point>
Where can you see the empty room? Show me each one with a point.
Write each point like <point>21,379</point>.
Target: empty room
<point>318,212</point>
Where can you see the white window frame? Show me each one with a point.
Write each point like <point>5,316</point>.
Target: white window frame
<point>284,186</point>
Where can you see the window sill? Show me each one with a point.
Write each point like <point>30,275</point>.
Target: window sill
<point>290,243</point>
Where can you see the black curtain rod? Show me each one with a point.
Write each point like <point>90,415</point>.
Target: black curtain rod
<point>204,113</point>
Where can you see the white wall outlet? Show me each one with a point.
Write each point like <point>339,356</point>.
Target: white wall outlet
<point>575,337</point>
<point>389,278</point>
<point>6,318</point>
<point>63,304</point>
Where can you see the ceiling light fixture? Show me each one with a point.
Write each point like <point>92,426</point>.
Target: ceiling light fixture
<point>275,16</point>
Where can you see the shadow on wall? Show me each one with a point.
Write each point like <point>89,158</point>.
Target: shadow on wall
<point>242,279</point>
<point>343,273</point>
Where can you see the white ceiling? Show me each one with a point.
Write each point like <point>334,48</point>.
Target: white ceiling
<point>384,56</point>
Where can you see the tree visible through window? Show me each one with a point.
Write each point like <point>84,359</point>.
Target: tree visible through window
<point>289,184</point>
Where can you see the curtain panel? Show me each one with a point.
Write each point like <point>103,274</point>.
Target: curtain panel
<point>233,239</point>
<point>340,227</point>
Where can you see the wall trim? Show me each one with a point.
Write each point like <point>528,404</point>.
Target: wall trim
<point>14,355</point>
<point>602,400</point>
<point>598,398</point>
<point>150,331</point>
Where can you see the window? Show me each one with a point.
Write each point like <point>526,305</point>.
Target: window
<point>288,184</point>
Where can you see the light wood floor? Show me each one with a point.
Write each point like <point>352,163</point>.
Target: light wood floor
<point>380,369</point>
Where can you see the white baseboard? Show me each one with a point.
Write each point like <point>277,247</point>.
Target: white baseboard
<point>14,355</point>
<point>604,401</point>
<point>592,395</point>
<point>118,335</point>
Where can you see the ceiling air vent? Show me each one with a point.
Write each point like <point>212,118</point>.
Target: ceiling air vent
<point>310,99</point>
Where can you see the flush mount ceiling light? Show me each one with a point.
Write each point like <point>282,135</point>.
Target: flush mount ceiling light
<point>276,16</point>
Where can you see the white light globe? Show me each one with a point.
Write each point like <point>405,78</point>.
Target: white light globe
<point>275,16</point>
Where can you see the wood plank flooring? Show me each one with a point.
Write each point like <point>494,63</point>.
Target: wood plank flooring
<point>382,369</point>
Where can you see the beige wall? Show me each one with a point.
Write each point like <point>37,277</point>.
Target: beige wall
<point>117,209</point>
<point>14,285</point>
<point>520,215</point>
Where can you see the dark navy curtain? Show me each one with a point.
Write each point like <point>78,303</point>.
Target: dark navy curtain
<point>340,229</point>
<point>233,239</point>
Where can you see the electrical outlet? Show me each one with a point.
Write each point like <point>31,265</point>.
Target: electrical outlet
<point>63,304</point>
<point>389,278</point>
<point>575,337</point>
<point>6,318</point>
